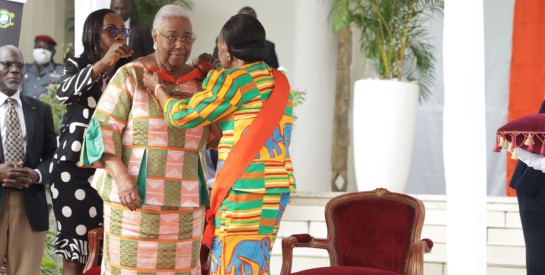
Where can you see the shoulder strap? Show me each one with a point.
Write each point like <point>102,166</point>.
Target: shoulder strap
<point>247,147</point>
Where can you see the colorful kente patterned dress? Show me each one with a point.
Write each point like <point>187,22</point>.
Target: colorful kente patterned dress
<point>248,219</point>
<point>163,236</point>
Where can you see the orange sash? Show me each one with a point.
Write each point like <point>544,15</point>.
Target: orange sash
<point>245,150</point>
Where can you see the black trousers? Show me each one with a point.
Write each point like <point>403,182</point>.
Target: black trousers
<point>532,215</point>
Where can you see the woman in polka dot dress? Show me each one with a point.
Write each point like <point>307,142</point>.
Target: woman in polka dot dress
<point>76,204</point>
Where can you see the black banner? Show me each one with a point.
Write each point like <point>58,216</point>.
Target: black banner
<point>11,13</point>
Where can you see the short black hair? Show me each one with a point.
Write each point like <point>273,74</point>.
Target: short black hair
<point>92,31</point>
<point>245,38</point>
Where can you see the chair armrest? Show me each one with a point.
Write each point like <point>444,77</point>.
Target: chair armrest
<point>299,240</point>
<point>427,245</point>
<point>416,256</point>
<point>94,237</point>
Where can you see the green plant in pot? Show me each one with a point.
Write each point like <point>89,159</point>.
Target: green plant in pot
<point>394,37</point>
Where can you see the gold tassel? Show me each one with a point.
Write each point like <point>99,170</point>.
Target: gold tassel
<point>529,140</point>
<point>514,154</point>
<point>503,143</point>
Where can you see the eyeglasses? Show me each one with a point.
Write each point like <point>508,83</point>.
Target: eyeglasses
<point>188,38</point>
<point>113,31</point>
<point>8,64</point>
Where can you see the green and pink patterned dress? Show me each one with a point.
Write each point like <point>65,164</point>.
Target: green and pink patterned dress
<point>163,236</point>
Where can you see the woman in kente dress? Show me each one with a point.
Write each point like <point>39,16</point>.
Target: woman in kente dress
<point>154,194</point>
<point>248,219</point>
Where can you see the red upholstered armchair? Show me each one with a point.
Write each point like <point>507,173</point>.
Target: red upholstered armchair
<point>375,232</point>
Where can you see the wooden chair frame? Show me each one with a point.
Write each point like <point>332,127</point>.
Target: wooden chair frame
<point>94,236</point>
<point>414,261</point>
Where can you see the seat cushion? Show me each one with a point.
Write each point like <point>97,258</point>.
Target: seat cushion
<point>345,270</point>
<point>93,271</point>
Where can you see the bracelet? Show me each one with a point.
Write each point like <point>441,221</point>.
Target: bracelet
<point>156,87</point>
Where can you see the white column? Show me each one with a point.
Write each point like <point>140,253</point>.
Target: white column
<point>81,10</point>
<point>315,55</point>
<point>464,138</point>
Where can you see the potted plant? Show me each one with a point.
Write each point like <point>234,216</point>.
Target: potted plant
<point>394,39</point>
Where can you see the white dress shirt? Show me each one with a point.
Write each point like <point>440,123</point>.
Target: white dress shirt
<point>4,106</point>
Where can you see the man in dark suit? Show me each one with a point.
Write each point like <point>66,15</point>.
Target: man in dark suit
<point>271,59</point>
<point>140,40</point>
<point>530,186</point>
<point>28,144</point>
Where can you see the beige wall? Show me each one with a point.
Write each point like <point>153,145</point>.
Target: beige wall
<point>208,16</point>
<point>45,17</point>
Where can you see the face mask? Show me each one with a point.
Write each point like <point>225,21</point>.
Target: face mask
<point>42,56</point>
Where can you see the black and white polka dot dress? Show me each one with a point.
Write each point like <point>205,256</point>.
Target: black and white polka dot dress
<point>77,205</point>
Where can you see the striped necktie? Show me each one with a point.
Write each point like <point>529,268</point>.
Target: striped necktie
<point>14,151</point>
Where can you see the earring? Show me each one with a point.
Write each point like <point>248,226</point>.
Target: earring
<point>155,45</point>
<point>228,57</point>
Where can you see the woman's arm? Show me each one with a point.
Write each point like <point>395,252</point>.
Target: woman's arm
<point>126,186</point>
<point>75,82</point>
<point>220,97</point>
<point>79,74</point>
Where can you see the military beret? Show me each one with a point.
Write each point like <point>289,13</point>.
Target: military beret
<point>45,38</point>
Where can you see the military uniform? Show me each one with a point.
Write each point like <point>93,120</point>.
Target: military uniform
<point>35,84</point>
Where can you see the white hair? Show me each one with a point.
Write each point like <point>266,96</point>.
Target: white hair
<point>7,48</point>
<point>169,11</point>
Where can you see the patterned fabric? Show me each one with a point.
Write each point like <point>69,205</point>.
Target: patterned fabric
<point>164,234</point>
<point>15,150</point>
<point>246,228</point>
<point>77,207</point>
<point>234,97</point>
<point>129,123</point>
<point>80,94</point>
<point>248,220</point>
<point>150,240</point>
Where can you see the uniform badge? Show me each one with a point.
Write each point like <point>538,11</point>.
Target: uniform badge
<point>6,18</point>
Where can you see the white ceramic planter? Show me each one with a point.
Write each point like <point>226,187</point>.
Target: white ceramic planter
<point>384,118</point>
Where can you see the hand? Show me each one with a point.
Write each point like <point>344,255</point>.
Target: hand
<point>20,177</point>
<point>205,62</point>
<point>5,168</point>
<point>115,52</point>
<point>151,80</point>
<point>127,192</point>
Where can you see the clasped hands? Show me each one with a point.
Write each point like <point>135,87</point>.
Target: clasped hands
<point>14,175</point>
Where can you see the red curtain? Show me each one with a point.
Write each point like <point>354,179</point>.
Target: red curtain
<point>527,79</point>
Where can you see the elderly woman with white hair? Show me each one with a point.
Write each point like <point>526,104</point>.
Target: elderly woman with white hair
<point>152,186</point>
